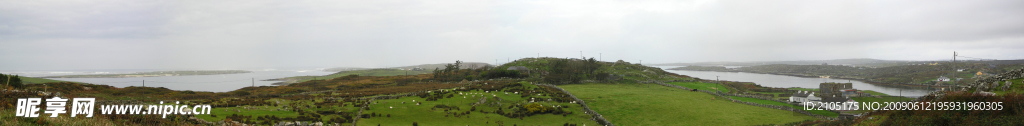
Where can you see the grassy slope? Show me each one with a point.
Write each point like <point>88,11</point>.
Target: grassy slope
<point>659,105</point>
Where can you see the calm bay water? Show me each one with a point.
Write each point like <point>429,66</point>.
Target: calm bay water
<point>770,80</point>
<point>229,82</point>
<point>213,83</point>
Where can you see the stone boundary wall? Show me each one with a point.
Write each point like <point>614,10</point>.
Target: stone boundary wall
<point>594,115</point>
<point>720,94</point>
<point>1014,74</point>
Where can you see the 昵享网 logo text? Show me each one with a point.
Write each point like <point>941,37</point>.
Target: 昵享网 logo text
<point>30,107</point>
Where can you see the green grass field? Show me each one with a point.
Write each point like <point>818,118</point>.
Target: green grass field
<point>32,80</point>
<point>630,104</point>
<point>701,86</point>
<point>875,93</point>
<point>767,102</point>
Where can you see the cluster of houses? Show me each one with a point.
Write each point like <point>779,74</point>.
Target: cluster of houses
<point>829,92</point>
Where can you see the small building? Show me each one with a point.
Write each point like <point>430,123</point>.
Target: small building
<point>804,96</point>
<point>833,89</point>
<point>942,79</point>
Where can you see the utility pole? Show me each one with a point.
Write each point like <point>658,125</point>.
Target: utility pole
<point>717,81</point>
<point>253,86</point>
<point>953,78</point>
<point>8,80</point>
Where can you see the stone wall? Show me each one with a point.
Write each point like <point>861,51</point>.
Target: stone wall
<point>586,109</point>
<point>1014,74</point>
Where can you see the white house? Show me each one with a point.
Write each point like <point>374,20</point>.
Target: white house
<point>942,78</point>
<point>798,96</point>
<point>804,96</point>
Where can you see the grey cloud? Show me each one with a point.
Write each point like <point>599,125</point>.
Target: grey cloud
<point>378,33</point>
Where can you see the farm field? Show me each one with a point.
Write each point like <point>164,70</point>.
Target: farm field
<point>767,102</point>
<point>659,105</point>
<point>701,86</point>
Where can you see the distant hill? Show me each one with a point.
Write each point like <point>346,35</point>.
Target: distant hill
<point>466,65</point>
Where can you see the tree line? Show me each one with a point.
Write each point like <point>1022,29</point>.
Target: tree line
<point>13,81</point>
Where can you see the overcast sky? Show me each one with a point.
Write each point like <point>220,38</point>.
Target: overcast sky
<point>222,34</point>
